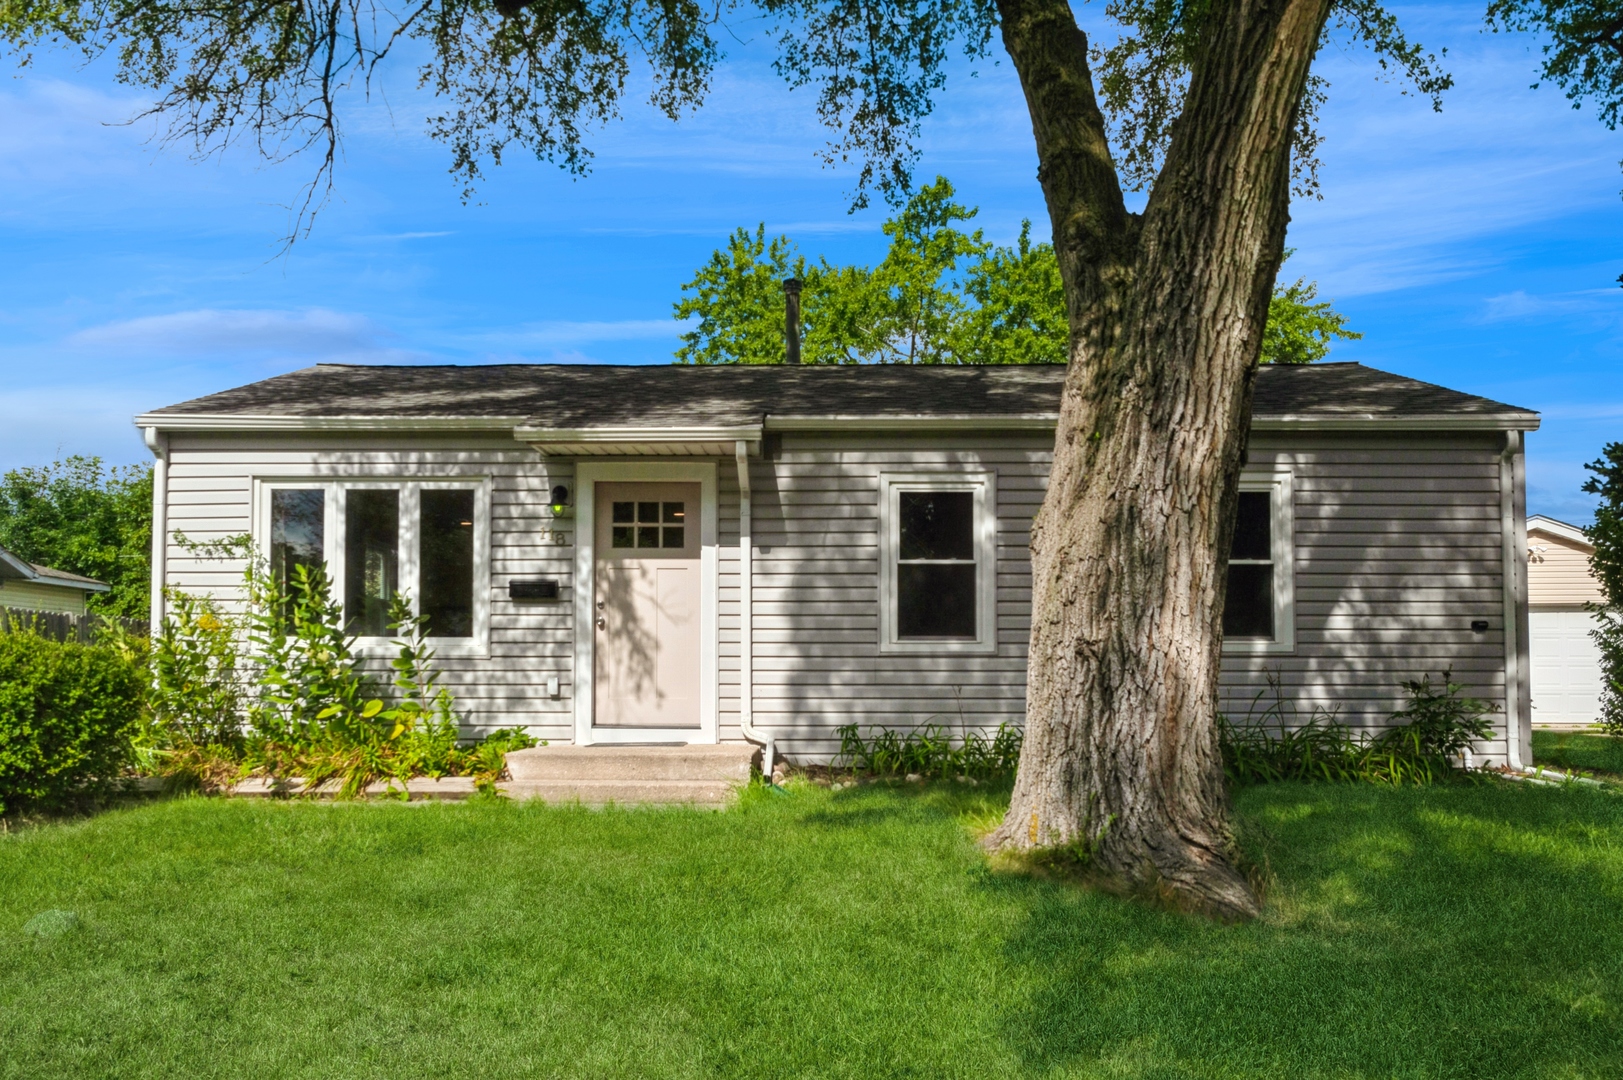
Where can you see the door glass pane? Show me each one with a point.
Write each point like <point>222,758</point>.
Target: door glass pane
<point>935,600</point>
<point>623,513</point>
<point>648,513</point>
<point>446,568</point>
<point>1249,611</point>
<point>648,536</point>
<point>674,536</point>
<point>1252,527</point>
<point>371,559</point>
<point>623,536</point>
<point>675,513</point>
<point>937,524</point>
<point>298,531</point>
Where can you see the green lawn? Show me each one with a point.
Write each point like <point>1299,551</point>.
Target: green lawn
<point>1470,931</point>
<point>1578,750</point>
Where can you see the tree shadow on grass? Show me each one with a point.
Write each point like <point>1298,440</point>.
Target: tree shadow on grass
<point>1451,931</point>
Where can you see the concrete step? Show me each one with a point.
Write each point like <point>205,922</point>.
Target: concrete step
<point>624,792</point>
<point>723,762</point>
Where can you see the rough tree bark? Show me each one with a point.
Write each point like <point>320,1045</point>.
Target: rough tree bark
<point>1129,549</point>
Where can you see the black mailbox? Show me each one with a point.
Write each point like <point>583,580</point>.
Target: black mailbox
<point>533,589</point>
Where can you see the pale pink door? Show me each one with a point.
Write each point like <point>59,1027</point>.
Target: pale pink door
<point>646,606</point>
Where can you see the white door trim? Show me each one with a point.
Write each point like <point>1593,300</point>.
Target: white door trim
<point>587,476</point>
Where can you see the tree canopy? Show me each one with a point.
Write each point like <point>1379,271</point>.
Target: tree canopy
<point>940,296</point>
<point>84,517</point>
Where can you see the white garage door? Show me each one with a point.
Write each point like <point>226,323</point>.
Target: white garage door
<point>1566,667</point>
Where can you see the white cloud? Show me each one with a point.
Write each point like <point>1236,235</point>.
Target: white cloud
<point>312,332</point>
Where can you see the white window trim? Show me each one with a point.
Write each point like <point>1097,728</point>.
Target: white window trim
<point>587,476</point>
<point>1282,528</point>
<point>410,489</point>
<point>983,483</point>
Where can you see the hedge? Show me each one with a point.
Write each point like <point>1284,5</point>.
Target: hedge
<point>67,715</point>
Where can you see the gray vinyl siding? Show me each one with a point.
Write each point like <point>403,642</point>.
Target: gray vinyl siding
<point>1397,549</point>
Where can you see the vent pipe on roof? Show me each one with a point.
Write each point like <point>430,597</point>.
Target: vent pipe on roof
<point>791,319</point>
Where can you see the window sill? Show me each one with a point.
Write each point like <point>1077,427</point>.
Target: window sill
<point>1247,646</point>
<point>926,646</point>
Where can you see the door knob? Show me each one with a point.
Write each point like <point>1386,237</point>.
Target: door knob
<point>602,623</point>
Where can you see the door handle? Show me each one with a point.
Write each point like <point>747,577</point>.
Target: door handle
<point>602,623</point>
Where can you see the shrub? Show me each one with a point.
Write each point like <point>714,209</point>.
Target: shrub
<point>1438,725</point>
<point>197,681</point>
<point>1606,562</point>
<point>68,712</point>
<point>930,751</point>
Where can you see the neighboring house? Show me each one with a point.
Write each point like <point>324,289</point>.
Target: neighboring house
<point>1566,660</point>
<point>26,586</point>
<point>700,554</point>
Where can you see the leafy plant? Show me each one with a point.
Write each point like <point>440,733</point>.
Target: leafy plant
<point>197,696</point>
<point>930,751</point>
<point>1438,725</point>
<point>68,715</point>
<point>1606,562</point>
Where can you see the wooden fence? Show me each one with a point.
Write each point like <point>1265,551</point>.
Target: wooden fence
<point>59,626</point>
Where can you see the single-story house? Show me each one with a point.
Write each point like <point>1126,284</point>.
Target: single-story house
<point>26,586</point>
<point>1566,671</point>
<point>701,554</point>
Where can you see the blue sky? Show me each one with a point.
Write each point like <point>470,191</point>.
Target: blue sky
<point>1478,247</point>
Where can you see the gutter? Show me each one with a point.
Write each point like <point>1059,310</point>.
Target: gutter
<point>158,442</point>
<point>746,615</point>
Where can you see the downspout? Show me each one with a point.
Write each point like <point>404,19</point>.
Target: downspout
<point>1513,539</point>
<point>158,443</point>
<point>746,609</point>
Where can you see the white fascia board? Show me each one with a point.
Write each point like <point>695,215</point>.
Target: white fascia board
<point>650,435</point>
<point>204,422</point>
<point>1540,523</point>
<point>1441,422</point>
<point>72,583</point>
<point>1011,422</point>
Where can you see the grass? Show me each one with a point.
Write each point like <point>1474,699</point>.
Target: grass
<point>1587,751</point>
<point>1469,930</point>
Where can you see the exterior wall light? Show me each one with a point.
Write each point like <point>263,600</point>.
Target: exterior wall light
<point>560,506</point>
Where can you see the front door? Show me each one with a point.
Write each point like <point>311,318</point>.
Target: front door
<point>646,607</point>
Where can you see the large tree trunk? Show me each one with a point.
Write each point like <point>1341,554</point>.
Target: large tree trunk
<point>1129,550</point>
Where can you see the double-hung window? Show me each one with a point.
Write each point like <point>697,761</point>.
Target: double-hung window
<point>937,562</point>
<point>1259,615</point>
<point>427,540</point>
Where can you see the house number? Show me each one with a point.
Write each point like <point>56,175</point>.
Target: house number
<point>555,536</point>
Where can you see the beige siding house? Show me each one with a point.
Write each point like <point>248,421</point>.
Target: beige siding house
<point>26,586</point>
<point>1566,668</point>
<point>680,554</point>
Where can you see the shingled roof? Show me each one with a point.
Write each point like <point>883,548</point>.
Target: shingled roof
<point>584,396</point>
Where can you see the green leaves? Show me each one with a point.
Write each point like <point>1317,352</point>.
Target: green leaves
<point>1583,47</point>
<point>1606,561</point>
<point>84,517</point>
<point>940,296</point>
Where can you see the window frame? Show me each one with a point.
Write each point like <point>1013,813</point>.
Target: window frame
<point>410,489</point>
<point>1282,548</point>
<point>982,483</point>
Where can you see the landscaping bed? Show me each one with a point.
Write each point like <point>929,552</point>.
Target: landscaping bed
<point>1462,929</point>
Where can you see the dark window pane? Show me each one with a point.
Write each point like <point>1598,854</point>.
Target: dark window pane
<point>371,560</point>
<point>675,513</point>
<point>674,536</point>
<point>937,524</point>
<point>623,512</point>
<point>1252,527</point>
<point>935,600</point>
<point>446,568</point>
<point>1249,612</point>
<point>624,536</point>
<point>648,513</point>
<point>298,531</point>
<point>648,536</point>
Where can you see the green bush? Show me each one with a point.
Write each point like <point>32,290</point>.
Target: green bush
<point>68,713</point>
<point>930,751</point>
<point>1430,738</point>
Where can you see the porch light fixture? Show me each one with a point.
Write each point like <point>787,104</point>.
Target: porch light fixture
<point>560,505</point>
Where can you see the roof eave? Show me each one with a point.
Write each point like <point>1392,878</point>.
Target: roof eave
<point>245,422</point>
